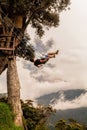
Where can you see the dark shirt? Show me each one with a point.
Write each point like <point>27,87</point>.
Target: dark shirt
<point>38,62</point>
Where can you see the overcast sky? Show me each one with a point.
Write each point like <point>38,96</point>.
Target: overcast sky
<point>69,69</point>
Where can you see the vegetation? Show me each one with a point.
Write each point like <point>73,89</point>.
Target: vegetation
<point>70,125</point>
<point>6,118</point>
<point>38,13</point>
<point>34,118</point>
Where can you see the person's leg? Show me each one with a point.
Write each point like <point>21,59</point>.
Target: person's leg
<point>53,53</point>
<point>47,56</point>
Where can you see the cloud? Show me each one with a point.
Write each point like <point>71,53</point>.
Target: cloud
<point>42,47</point>
<point>68,70</point>
<point>37,82</point>
<point>62,104</point>
<point>3,86</point>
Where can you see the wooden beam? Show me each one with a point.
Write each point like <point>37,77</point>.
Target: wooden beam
<point>5,36</point>
<point>2,40</point>
<point>7,49</point>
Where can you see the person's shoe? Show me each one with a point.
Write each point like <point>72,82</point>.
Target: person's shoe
<point>57,51</point>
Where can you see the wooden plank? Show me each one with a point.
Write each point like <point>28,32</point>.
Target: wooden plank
<point>5,41</point>
<point>7,49</point>
<point>5,36</point>
<point>1,40</point>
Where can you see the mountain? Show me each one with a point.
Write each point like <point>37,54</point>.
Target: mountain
<point>78,114</point>
<point>68,95</point>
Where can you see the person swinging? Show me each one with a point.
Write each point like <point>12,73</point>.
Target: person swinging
<point>39,62</point>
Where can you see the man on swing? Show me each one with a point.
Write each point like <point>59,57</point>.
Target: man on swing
<point>39,62</point>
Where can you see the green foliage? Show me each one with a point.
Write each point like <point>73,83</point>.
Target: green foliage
<point>5,114</point>
<point>71,125</point>
<point>31,116</point>
<point>38,13</point>
<point>61,125</point>
<point>35,118</point>
<point>6,118</point>
<point>41,127</point>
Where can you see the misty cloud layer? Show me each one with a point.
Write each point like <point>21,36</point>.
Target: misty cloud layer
<point>62,104</point>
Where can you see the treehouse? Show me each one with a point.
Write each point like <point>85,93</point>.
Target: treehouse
<point>12,19</point>
<point>10,29</point>
<point>7,42</point>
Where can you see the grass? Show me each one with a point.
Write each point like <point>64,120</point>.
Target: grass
<point>6,118</point>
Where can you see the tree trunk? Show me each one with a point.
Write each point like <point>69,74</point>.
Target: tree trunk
<point>13,87</point>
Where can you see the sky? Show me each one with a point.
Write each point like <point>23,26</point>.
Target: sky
<point>68,70</point>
